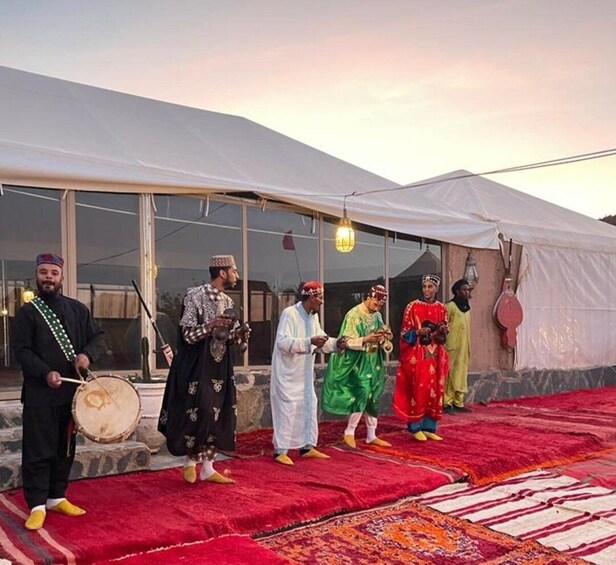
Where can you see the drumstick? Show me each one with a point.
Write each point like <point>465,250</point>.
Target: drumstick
<point>72,380</point>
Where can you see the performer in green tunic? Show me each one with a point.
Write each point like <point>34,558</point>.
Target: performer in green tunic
<point>354,379</point>
<point>459,348</point>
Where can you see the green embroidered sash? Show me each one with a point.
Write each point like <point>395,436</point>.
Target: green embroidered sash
<point>57,329</point>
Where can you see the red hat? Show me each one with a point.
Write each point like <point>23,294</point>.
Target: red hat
<point>312,288</point>
<point>378,291</point>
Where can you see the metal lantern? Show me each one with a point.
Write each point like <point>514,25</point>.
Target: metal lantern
<point>470,272</point>
<point>345,234</point>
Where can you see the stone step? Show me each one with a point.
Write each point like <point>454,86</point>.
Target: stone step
<point>10,414</point>
<point>10,440</point>
<point>91,460</point>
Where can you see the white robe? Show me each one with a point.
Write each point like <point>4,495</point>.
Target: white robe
<point>292,394</point>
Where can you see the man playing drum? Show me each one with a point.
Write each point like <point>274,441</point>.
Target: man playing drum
<point>53,337</point>
<point>199,410</point>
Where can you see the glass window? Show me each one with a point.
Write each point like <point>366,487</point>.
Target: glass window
<point>29,225</point>
<point>349,275</point>
<point>185,240</point>
<point>409,260</point>
<point>107,261</point>
<point>283,250</point>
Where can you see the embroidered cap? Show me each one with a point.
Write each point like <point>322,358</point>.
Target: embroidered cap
<point>222,261</point>
<point>312,288</point>
<point>378,291</point>
<point>49,259</point>
<point>434,279</point>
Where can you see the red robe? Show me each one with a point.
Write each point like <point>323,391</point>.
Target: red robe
<point>422,369</point>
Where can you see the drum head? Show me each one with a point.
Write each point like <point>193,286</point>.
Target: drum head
<point>106,409</point>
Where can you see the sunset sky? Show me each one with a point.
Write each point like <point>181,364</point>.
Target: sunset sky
<point>406,89</point>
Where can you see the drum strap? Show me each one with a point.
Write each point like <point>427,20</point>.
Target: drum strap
<point>56,327</point>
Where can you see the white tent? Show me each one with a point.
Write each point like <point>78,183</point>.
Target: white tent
<point>567,282</point>
<point>59,134</point>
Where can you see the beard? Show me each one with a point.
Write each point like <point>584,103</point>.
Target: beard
<point>48,289</point>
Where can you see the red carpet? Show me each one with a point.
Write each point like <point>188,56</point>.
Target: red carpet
<point>259,442</point>
<point>407,533</point>
<point>225,550</point>
<point>138,512</point>
<point>600,399</point>
<point>490,451</point>
<point>598,471</point>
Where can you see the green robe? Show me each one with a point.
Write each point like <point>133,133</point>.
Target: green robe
<point>459,348</point>
<point>354,379</point>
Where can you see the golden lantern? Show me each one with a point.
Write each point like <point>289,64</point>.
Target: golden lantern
<point>345,234</point>
<point>27,295</point>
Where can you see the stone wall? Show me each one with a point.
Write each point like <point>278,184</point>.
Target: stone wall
<point>254,405</point>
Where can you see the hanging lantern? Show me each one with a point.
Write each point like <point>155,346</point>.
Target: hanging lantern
<point>470,272</point>
<point>27,294</point>
<point>345,234</point>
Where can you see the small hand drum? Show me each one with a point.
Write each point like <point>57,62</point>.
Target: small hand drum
<point>106,409</point>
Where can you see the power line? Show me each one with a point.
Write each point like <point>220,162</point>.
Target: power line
<point>528,167</point>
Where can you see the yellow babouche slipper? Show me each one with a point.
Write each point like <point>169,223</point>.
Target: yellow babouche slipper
<point>432,435</point>
<point>379,442</point>
<point>68,509</point>
<point>283,459</point>
<point>314,454</point>
<point>36,520</point>
<point>420,436</point>
<point>216,477</point>
<point>349,440</point>
<point>190,473</point>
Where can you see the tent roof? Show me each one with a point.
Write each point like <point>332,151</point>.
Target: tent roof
<point>519,216</point>
<point>59,134</point>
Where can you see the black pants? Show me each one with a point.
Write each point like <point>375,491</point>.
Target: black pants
<point>45,466</point>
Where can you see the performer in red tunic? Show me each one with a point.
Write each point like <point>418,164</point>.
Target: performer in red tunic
<point>423,363</point>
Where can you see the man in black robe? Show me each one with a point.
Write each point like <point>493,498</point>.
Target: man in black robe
<point>199,411</point>
<point>48,445</point>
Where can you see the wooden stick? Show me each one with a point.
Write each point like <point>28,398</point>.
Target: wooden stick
<point>76,381</point>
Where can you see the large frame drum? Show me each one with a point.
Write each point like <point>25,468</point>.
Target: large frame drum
<point>106,409</point>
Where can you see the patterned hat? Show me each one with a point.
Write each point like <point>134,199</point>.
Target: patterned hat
<point>49,259</point>
<point>434,279</point>
<point>378,291</point>
<point>312,288</point>
<point>222,261</point>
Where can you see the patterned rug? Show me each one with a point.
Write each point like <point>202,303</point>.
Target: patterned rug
<point>142,511</point>
<point>554,510</point>
<point>408,533</point>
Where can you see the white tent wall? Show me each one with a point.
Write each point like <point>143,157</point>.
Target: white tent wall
<point>569,302</point>
<point>567,280</point>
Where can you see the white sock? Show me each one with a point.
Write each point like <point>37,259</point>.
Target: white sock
<point>371,422</point>
<point>207,469</point>
<point>354,419</point>
<point>188,462</point>
<point>40,507</point>
<point>53,502</point>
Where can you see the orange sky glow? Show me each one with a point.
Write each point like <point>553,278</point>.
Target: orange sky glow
<point>406,89</point>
